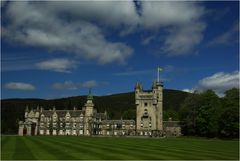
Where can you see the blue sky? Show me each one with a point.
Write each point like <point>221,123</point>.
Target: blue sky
<point>60,49</point>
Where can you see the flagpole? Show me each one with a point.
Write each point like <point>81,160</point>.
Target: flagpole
<point>157,74</point>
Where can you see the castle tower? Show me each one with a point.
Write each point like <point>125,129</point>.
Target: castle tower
<point>149,109</point>
<point>157,90</point>
<point>88,114</point>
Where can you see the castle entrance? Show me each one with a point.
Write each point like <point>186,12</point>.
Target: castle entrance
<point>24,131</point>
<point>33,127</point>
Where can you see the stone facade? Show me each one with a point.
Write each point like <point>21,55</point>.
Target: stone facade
<point>87,121</point>
<point>149,109</point>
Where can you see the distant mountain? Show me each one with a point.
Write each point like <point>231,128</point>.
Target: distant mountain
<point>116,105</point>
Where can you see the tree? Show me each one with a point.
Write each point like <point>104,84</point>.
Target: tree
<point>208,114</point>
<point>129,114</point>
<point>229,118</point>
<point>170,114</point>
<point>200,113</point>
<point>188,114</point>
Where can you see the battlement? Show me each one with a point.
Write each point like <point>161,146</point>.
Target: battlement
<point>149,108</point>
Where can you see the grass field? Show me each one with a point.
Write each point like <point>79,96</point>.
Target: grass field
<point>94,148</point>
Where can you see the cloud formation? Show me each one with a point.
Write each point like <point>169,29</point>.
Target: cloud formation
<point>88,84</point>
<point>229,37</point>
<point>45,25</point>
<point>57,65</point>
<point>183,19</point>
<point>19,86</point>
<point>188,90</point>
<point>79,27</point>
<point>69,85</point>
<point>181,40</point>
<point>219,82</point>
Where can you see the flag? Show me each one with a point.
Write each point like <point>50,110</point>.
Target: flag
<point>159,69</point>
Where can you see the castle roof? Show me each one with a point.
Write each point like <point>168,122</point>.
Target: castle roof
<point>138,86</point>
<point>62,113</point>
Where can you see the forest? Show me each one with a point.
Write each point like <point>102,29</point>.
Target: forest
<point>205,114</point>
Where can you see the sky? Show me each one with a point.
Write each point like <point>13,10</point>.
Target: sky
<point>53,49</point>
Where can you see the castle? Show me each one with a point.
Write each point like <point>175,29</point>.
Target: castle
<point>88,122</point>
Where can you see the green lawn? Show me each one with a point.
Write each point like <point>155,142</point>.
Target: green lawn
<point>75,148</point>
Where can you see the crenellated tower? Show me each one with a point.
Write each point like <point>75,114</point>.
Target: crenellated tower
<point>149,109</point>
<point>88,114</point>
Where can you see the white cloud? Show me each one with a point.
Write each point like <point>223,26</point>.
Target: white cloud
<point>44,25</point>
<point>183,19</point>
<point>188,90</point>
<point>219,82</point>
<point>157,14</point>
<point>67,85</point>
<point>69,27</point>
<point>58,65</point>
<point>19,86</point>
<point>229,37</point>
<point>89,84</point>
<point>147,40</point>
<point>122,14</point>
<point>181,40</point>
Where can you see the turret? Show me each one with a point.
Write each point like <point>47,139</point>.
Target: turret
<point>41,109</point>
<point>138,89</point>
<point>157,90</point>
<point>37,107</point>
<point>105,114</point>
<point>89,104</point>
<point>37,112</point>
<point>88,114</point>
<point>26,111</point>
<point>74,108</point>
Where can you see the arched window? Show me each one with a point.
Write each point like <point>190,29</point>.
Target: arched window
<point>145,112</point>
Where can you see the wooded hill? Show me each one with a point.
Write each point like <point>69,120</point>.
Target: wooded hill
<point>116,105</point>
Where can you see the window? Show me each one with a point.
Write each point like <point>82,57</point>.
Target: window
<point>145,111</point>
<point>145,104</point>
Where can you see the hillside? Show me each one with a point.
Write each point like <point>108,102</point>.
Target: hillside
<point>117,105</point>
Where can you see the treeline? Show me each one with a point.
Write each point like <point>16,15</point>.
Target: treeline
<point>205,114</point>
